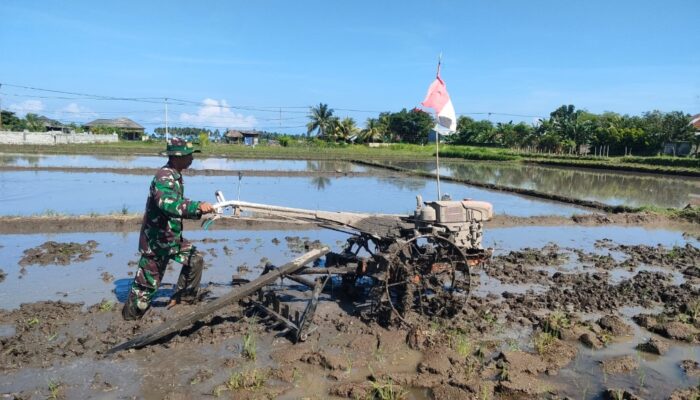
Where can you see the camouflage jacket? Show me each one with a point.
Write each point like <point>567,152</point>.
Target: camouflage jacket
<point>161,230</point>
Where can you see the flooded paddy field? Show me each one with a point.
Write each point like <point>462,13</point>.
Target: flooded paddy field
<point>137,162</point>
<point>36,192</point>
<point>559,312</point>
<point>572,305</point>
<point>609,187</point>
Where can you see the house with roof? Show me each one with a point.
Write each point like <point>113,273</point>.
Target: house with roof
<point>233,136</point>
<point>249,138</point>
<point>51,125</point>
<point>126,128</point>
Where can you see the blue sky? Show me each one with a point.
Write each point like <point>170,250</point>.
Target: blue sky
<point>515,59</point>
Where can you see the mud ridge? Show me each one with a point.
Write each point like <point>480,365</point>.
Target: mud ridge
<point>190,172</point>
<point>132,222</point>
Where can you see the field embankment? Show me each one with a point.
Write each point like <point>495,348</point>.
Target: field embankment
<point>323,151</point>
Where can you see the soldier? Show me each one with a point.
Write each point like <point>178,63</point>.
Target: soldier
<point>161,235</point>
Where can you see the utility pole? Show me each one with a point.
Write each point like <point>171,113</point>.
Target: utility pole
<point>166,119</point>
<point>0,109</point>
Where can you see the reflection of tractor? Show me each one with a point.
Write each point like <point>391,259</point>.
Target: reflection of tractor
<point>403,265</point>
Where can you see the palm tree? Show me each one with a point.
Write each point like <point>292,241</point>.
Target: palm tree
<point>34,124</point>
<point>372,132</point>
<point>346,128</point>
<point>321,119</point>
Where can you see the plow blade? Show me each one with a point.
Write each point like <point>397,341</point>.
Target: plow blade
<point>204,310</point>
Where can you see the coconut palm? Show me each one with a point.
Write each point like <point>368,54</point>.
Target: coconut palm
<point>372,132</point>
<point>34,124</point>
<point>345,129</point>
<point>321,120</point>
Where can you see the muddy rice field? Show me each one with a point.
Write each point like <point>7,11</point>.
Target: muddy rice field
<point>573,304</point>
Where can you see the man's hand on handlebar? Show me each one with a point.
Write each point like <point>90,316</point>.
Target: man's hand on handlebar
<point>206,208</point>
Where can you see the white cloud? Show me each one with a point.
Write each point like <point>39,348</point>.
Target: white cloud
<point>27,106</point>
<point>74,110</point>
<point>218,114</point>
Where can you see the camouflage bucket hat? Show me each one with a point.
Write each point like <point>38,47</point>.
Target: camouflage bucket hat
<point>179,147</point>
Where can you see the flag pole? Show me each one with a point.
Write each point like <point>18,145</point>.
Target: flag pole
<point>437,144</point>
<point>437,161</point>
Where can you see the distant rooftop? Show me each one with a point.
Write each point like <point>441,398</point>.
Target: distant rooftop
<point>115,123</point>
<point>233,134</point>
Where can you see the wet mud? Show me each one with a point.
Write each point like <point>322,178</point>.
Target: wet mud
<point>59,253</point>
<point>132,223</point>
<point>504,344</point>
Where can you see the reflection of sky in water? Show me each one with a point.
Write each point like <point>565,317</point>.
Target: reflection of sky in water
<point>121,161</point>
<point>628,188</point>
<point>618,275</point>
<point>82,281</point>
<point>661,375</point>
<point>504,240</point>
<point>32,192</point>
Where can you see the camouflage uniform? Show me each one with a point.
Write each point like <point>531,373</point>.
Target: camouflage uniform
<point>161,238</point>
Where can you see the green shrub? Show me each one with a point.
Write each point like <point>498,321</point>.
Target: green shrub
<point>474,154</point>
<point>665,161</point>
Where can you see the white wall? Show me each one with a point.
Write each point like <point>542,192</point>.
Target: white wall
<point>51,138</point>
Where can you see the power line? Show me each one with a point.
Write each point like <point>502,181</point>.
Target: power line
<point>157,100</point>
<point>185,102</point>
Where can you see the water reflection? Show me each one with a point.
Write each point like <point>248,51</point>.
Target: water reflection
<point>216,163</point>
<point>616,188</point>
<point>330,166</point>
<point>35,192</point>
<point>405,183</point>
<point>320,182</point>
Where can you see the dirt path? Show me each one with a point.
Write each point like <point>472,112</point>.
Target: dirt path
<point>194,172</point>
<point>132,222</point>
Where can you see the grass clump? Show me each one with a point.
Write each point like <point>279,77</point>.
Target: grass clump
<point>543,341</point>
<point>690,214</point>
<point>250,347</point>
<point>474,153</point>
<point>461,343</point>
<point>106,306</point>
<point>385,389</point>
<point>251,379</point>
<point>503,373</point>
<point>555,323</point>
<point>54,389</point>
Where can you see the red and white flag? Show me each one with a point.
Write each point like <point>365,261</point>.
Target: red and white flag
<point>439,100</point>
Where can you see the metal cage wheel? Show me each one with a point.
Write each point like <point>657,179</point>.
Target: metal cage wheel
<point>428,275</point>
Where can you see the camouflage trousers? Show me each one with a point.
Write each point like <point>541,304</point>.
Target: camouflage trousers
<point>151,270</point>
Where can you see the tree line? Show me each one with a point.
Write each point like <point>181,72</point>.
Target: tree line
<point>31,122</point>
<point>566,130</point>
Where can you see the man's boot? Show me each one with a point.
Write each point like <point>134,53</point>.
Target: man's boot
<point>187,288</point>
<point>131,310</point>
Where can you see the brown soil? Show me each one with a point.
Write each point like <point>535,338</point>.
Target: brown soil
<point>690,367</point>
<point>620,365</point>
<point>58,253</point>
<point>132,223</point>
<point>349,355</point>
